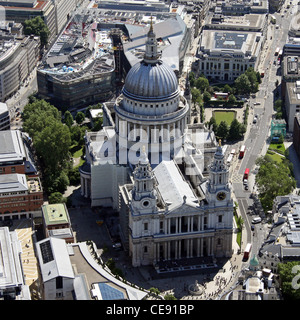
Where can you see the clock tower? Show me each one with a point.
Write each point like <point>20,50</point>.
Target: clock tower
<point>218,191</point>
<point>143,193</point>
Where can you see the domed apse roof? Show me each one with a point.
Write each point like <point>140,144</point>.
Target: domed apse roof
<point>156,80</point>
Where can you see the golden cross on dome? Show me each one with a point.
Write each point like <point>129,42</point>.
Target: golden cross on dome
<point>220,144</point>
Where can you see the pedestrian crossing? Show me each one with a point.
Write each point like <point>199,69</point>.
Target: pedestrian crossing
<point>236,178</point>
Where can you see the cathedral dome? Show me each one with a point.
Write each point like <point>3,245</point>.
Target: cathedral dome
<point>151,80</point>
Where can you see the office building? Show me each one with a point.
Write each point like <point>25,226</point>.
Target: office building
<point>4,117</point>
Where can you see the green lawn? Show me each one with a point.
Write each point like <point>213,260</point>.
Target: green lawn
<point>227,116</point>
<point>276,157</point>
<point>279,147</point>
<point>77,153</point>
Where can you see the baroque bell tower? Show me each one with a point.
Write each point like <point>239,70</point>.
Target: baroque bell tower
<point>144,193</point>
<point>218,190</point>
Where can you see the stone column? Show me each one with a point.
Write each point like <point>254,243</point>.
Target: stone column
<point>85,188</point>
<point>198,247</point>
<point>134,132</point>
<point>208,246</point>
<point>166,250</point>
<point>82,185</point>
<point>201,247</point>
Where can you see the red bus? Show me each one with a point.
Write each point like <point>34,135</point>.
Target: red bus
<point>242,151</point>
<point>247,251</point>
<point>246,173</point>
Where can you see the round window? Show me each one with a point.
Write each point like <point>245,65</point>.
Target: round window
<point>146,203</point>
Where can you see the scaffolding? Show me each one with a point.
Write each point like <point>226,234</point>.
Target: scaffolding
<point>278,128</point>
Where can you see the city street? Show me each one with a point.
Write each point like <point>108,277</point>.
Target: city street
<point>256,137</point>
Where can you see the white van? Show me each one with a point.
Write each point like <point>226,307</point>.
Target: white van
<point>256,220</point>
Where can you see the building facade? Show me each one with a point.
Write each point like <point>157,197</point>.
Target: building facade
<point>18,58</point>
<point>4,117</point>
<point>167,221</point>
<point>79,69</point>
<point>12,283</point>
<point>21,193</point>
<point>230,44</point>
<point>56,222</point>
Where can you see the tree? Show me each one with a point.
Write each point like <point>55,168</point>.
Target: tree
<point>232,99</point>
<point>243,85</point>
<point>222,131</point>
<point>170,296</point>
<point>206,96</point>
<point>289,275</point>
<point>68,118</point>
<point>192,79</point>
<point>252,77</point>
<point>56,197</point>
<point>273,179</point>
<point>240,223</point>
<point>79,117</point>
<point>38,115</point>
<point>74,176</point>
<point>227,89</point>
<point>52,145</point>
<point>196,95</point>
<point>213,122</point>
<point>77,135</point>
<point>234,130</point>
<point>37,27</point>
<point>202,84</point>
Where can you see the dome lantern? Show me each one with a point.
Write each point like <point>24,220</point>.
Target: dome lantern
<point>151,54</point>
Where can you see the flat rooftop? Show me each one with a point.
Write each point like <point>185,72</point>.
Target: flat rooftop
<point>55,214</point>
<point>83,47</point>
<point>11,146</point>
<point>228,40</point>
<point>10,264</point>
<point>13,182</point>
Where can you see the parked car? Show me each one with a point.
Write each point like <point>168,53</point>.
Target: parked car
<point>256,220</point>
<point>117,246</point>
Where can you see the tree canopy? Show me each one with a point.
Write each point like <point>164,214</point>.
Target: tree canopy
<point>51,140</point>
<point>222,130</point>
<point>37,27</point>
<point>248,82</point>
<point>273,179</point>
<point>289,276</point>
